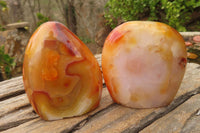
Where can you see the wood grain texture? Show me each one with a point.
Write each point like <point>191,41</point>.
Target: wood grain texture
<point>13,103</point>
<point>10,88</point>
<point>174,121</point>
<point>191,79</point>
<point>192,124</point>
<point>17,117</point>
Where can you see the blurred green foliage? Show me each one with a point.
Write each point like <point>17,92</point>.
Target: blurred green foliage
<point>175,13</point>
<point>6,63</point>
<point>3,8</point>
<point>3,4</point>
<point>86,40</point>
<point>41,19</point>
<point>2,28</point>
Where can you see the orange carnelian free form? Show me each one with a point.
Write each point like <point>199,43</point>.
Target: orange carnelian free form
<point>143,64</point>
<point>61,76</point>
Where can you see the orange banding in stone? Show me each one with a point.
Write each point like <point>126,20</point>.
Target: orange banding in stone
<point>49,71</point>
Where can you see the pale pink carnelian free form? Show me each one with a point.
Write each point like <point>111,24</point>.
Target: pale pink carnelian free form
<point>61,76</point>
<point>143,64</point>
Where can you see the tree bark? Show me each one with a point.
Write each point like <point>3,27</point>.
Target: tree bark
<point>15,11</point>
<point>71,18</point>
<point>32,8</point>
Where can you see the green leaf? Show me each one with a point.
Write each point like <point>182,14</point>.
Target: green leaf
<point>3,4</point>
<point>42,19</point>
<point>175,13</point>
<point>6,62</point>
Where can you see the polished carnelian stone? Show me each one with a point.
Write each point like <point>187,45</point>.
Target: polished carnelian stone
<point>143,64</point>
<point>61,76</point>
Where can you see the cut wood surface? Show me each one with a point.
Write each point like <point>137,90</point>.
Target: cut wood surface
<point>177,119</point>
<point>11,88</point>
<point>182,115</point>
<point>17,25</point>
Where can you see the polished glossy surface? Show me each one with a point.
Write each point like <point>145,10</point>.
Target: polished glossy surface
<point>143,64</point>
<point>61,76</point>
